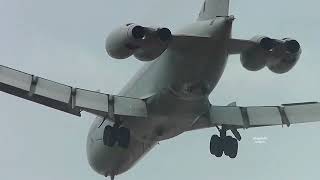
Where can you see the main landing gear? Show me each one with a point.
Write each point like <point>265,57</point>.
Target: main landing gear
<point>225,144</point>
<point>116,134</point>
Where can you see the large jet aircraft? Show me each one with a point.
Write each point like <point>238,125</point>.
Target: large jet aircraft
<point>169,95</point>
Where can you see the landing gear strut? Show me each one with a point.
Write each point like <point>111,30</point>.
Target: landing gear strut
<point>225,144</point>
<point>116,134</point>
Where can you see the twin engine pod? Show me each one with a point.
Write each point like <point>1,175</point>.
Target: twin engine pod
<point>279,56</point>
<point>145,43</point>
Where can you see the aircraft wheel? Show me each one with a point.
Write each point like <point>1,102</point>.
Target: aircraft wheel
<point>109,136</point>
<point>124,137</point>
<point>230,146</point>
<point>216,146</point>
<point>227,146</point>
<point>234,151</point>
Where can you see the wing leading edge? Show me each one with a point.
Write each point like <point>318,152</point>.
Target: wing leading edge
<point>66,98</point>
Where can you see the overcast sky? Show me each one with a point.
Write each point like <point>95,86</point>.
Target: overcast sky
<point>63,40</point>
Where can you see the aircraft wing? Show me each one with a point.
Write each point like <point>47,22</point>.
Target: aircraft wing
<point>233,46</point>
<point>237,46</point>
<point>258,116</point>
<point>66,98</point>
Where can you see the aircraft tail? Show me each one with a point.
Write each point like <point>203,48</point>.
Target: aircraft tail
<point>213,8</point>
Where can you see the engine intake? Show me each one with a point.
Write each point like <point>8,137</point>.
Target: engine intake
<point>164,34</point>
<point>292,45</point>
<point>287,60</point>
<point>267,43</point>
<point>138,32</point>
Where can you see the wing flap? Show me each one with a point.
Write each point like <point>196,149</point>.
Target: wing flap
<point>303,113</point>
<point>66,98</point>
<point>85,99</point>
<point>226,115</point>
<point>134,107</point>
<point>264,116</point>
<point>52,90</point>
<point>257,116</point>
<point>15,78</point>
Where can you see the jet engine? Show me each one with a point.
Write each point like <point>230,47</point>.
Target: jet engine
<point>279,56</point>
<point>145,43</point>
<point>287,57</point>
<point>255,58</point>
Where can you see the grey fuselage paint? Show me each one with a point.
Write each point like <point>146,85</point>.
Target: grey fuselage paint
<point>176,85</point>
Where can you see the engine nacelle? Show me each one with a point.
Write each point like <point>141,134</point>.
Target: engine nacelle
<point>278,55</point>
<point>154,45</point>
<point>144,43</point>
<point>287,58</point>
<point>122,42</point>
<point>255,58</point>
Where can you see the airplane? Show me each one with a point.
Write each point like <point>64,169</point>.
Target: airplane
<point>169,95</point>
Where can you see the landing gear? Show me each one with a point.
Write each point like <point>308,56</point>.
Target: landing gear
<point>113,134</point>
<point>224,144</point>
<point>230,145</point>
<point>216,146</point>
<point>109,136</point>
<point>124,137</point>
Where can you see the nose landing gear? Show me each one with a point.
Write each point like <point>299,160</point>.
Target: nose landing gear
<point>225,144</point>
<point>113,134</point>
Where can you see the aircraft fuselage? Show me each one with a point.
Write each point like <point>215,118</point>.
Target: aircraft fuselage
<point>176,86</point>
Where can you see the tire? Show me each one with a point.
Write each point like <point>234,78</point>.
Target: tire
<point>219,152</point>
<point>234,151</point>
<point>109,136</point>
<point>124,137</point>
<point>215,139</point>
<point>227,145</point>
<point>216,146</point>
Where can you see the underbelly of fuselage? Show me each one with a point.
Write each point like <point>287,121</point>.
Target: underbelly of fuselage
<point>171,110</point>
<point>176,88</point>
<point>109,161</point>
<point>170,114</point>
<point>174,117</point>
